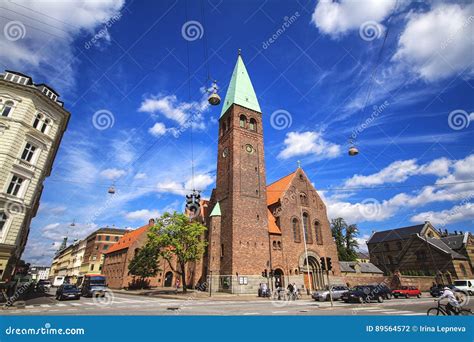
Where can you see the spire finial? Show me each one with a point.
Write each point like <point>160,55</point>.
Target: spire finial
<point>299,164</point>
<point>239,52</point>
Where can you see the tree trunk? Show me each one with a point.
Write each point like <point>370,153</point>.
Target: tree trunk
<point>183,276</point>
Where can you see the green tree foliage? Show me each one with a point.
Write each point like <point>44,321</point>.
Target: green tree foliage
<point>345,238</point>
<point>177,236</point>
<point>144,264</point>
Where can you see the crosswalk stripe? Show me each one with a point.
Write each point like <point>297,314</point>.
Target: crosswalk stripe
<point>29,306</point>
<point>251,313</point>
<point>414,314</point>
<point>45,305</point>
<point>60,304</point>
<point>75,304</point>
<point>395,312</point>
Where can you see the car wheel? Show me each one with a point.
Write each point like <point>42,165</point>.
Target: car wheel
<point>396,296</point>
<point>418,295</point>
<point>407,296</point>
<point>389,296</point>
<point>361,300</point>
<point>380,299</point>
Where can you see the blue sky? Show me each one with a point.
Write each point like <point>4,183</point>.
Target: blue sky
<point>321,77</point>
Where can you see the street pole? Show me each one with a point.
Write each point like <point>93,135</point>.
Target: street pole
<point>310,280</point>
<point>210,283</point>
<point>330,290</point>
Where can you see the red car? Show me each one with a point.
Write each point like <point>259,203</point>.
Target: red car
<point>407,291</point>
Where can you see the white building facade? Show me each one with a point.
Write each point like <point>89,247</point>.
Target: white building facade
<point>32,124</point>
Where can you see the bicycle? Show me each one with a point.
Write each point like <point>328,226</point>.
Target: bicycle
<point>441,310</point>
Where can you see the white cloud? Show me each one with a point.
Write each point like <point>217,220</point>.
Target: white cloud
<point>158,129</point>
<point>399,171</point>
<point>337,18</point>
<point>458,213</point>
<point>308,143</point>
<point>142,215</point>
<point>438,44</point>
<point>113,173</point>
<point>50,29</point>
<point>201,182</point>
<point>140,175</point>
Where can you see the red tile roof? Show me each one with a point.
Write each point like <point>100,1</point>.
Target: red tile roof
<point>129,238</point>
<point>276,189</point>
<point>272,226</point>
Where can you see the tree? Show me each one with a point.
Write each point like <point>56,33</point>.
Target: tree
<point>144,263</point>
<point>344,236</point>
<point>176,235</point>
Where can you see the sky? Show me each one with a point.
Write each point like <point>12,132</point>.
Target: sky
<point>393,78</point>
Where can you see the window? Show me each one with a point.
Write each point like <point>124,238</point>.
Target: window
<point>242,121</point>
<point>7,108</point>
<point>28,152</point>
<point>105,247</point>
<point>15,185</point>
<point>279,244</point>
<point>318,233</point>
<point>307,232</point>
<point>253,125</point>
<point>99,237</point>
<point>116,238</point>
<point>296,230</point>
<point>222,250</point>
<point>3,221</point>
<point>303,199</point>
<point>92,267</point>
<point>274,245</point>
<point>107,238</point>
<point>386,246</point>
<point>41,123</point>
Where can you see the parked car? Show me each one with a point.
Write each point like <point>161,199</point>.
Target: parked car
<point>43,285</point>
<point>465,285</point>
<point>336,291</point>
<point>68,291</point>
<point>367,293</point>
<point>407,292</point>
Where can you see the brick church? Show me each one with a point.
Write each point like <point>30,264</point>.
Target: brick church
<point>252,226</point>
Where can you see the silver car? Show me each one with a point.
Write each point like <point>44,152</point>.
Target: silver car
<point>337,291</point>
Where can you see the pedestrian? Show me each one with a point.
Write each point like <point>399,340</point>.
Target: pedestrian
<point>177,284</point>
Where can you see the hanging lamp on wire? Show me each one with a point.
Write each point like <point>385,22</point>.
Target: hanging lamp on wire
<point>111,189</point>
<point>214,99</point>
<point>353,150</point>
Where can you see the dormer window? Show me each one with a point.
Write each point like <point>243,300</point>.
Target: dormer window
<point>49,94</point>
<point>16,78</point>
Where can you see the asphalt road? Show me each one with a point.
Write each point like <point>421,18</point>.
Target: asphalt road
<point>123,304</point>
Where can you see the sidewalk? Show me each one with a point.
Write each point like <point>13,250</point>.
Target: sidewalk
<point>168,293</point>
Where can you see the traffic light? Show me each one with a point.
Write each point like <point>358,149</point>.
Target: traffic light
<point>265,274</point>
<point>322,260</point>
<point>328,264</point>
<point>271,273</point>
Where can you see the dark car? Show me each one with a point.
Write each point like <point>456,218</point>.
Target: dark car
<point>68,291</point>
<point>367,293</point>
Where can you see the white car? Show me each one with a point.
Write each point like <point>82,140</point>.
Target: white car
<point>336,291</point>
<point>465,285</point>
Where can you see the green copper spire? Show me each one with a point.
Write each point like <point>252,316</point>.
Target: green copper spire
<point>216,211</point>
<point>240,89</point>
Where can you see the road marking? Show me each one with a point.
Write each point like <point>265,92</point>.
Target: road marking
<point>75,304</point>
<point>61,304</point>
<point>277,312</point>
<point>251,313</point>
<point>395,312</point>
<point>415,314</point>
<point>45,305</point>
<point>29,306</point>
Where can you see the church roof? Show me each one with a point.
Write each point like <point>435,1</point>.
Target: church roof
<point>128,239</point>
<point>240,90</point>
<point>277,188</point>
<point>272,226</point>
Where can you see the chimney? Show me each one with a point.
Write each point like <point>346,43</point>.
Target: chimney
<point>460,232</point>
<point>446,232</point>
<point>455,232</point>
<point>151,222</point>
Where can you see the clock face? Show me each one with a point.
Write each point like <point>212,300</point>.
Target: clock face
<point>225,153</point>
<point>249,148</point>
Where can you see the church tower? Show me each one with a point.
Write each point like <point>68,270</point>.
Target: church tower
<point>240,193</point>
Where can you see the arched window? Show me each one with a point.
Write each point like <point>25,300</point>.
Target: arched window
<point>274,245</point>
<point>307,232</point>
<point>296,230</point>
<point>7,108</point>
<point>253,125</point>
<point>242,121</point>
<point>303,199</point>
<point>45,125</point>
<point>38,120</point>
<point>318,232</point>
<point>279,244</point>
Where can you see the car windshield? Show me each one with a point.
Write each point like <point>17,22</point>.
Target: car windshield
<point>361,288</point>
<point>69,287</point>
<point>460,283</point>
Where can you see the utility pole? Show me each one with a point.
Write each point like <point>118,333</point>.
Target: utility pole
<point>330,290</point>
